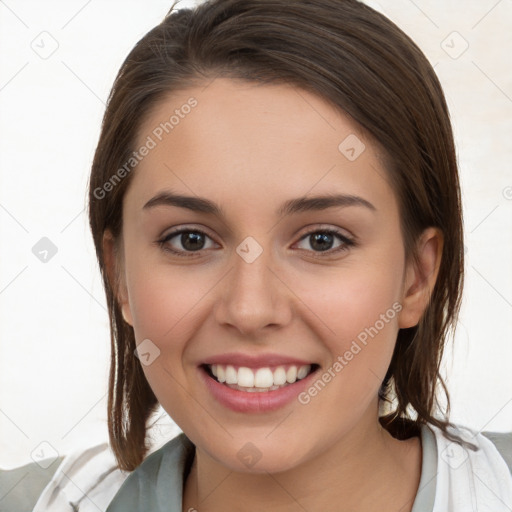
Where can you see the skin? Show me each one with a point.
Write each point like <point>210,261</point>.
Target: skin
<point>249,148</point>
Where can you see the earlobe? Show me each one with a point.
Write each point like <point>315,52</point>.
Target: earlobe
<point>115,275</point>
<point>126,312</point>
<point>420,279</point>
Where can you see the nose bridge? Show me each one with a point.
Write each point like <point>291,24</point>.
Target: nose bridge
<point>254,297</point>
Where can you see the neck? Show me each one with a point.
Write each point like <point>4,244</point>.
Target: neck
<point>366,470</point>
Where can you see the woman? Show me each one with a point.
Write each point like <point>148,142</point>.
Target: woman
<point>275,206</point>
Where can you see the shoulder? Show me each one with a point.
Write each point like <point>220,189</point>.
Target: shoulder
<point>21,486</point>
<point>471,475</point>
<point>87,478</point>
<point>493,446</point>
<point>156,484</point>
<point>503,443</point>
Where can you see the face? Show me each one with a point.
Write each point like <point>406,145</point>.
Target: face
<point>294,303</point>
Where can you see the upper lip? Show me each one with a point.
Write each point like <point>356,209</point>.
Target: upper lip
<point>255,361</point>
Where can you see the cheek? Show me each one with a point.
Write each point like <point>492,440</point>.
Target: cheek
<point>163,298</point>
<point>359,312</point>
<point>165,304</point>
<point>355,299</point>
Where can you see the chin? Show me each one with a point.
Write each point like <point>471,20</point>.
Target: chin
<point>255,457</point>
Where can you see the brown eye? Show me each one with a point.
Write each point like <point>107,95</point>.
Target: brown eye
<point>323,240</point>
<point>184,240</point>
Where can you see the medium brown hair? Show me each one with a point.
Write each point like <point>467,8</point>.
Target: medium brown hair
<point>365,66</point>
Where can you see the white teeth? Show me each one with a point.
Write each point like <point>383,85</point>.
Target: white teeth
<point>279,376</point>
<point>261,379</point>
<point>221,374</point>
<point>291,374</point>
<point>231,376</point>
<point>302,372</point>
<point>245,377</point>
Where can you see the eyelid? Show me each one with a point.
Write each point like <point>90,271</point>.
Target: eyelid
<point>313,228</point>
<point>186,227</point>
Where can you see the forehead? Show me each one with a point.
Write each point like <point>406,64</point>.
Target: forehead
<point>251,143</point>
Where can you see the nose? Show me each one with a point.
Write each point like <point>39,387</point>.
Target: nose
<point>254,297</point>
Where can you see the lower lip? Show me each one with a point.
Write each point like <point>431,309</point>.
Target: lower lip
<point>258,401</point>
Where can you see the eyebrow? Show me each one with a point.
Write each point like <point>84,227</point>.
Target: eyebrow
<point>301,204</point>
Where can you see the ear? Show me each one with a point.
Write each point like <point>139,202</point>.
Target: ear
<point>420,280</point>
<point>115,273</point>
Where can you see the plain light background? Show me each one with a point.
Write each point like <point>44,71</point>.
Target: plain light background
<point>57,63</point>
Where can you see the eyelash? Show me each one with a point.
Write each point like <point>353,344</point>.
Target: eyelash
<point>347,242</point>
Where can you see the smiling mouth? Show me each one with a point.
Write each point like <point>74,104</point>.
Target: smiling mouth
<point>257,380</point>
